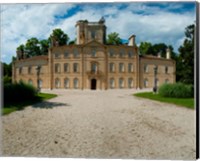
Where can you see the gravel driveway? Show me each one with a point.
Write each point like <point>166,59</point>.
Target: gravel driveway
<point>100,124</point>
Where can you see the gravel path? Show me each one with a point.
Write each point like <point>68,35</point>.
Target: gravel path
<point>100,124</point>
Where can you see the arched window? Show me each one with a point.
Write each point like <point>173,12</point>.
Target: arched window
<point>94,68</point>
<point>121,67</point>
<point>66,83</point>
<point>130,67</point>
<point>145,83</point>
<point>121,83</point>
<point>57,83</point>
<point>130,83</point>
<point>76,83</point>
<point>112,83</point>
<point>57,68</point>
<point>30,82</point>
<point>166,80</point>
<point>66,67</point>
<point>75,67</point>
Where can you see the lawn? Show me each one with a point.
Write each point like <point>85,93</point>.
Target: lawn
<point>11,107</point>
<point>186,102</point>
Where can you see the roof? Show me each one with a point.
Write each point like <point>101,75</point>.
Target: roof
<point>154,57</point>
<point>40,57</point>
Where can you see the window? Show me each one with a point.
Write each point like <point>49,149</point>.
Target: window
<point>93,34</point>
<point>75,83</point>
<point>130,67</point>
<point>30,82</point>
<point>157,82</point>
<point>111,53</point>
<point>146,83</point>
<point>166,70</point>
<point>40,83</point>
<point>121,53</point>
<point>112,67</point>
<point>146,70</point>
<point>57,55</point>
<point>75,67</point>
<point>66,54</point>
<point>66,67</point>
<point>112,83</point>
<point>66,83</point>
<point>130,54</point>
<point>94,68</point>
<point>57,83</point>
<point>76,54</point>
<point>121,82</point>
<point>130,82</point>
<point>20,70</point>
<point>121,67</point>
<point>57,68</point>
<point>29,70</point>
<point>166,81</point>
<point>93,52</point>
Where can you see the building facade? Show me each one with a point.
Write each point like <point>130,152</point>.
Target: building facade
<point>92,64</point>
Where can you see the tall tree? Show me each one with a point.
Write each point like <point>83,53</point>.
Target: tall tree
<point>59,36</point>
<point>145,48</point>
<point>186,57</point>
<point>32,47</point>
<point>113,39</point>
<point>44,46</point>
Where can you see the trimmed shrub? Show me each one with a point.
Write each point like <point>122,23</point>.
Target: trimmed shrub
<point>177,90</point>
<point>17,92</point>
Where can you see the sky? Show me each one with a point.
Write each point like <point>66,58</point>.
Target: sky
<point>155,22</point>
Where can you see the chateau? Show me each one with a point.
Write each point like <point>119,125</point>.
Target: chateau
<point>92,64</point>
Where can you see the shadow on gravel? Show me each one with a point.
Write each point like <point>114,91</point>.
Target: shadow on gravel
<point>46,104</point>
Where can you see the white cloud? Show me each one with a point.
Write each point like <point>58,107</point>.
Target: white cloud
<point>148,23</point>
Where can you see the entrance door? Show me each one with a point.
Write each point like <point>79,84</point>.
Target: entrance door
<point>93,84</point>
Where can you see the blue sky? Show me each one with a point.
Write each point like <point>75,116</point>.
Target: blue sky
<point>155,22</point>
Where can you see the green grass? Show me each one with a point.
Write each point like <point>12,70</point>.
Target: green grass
<point>186,102</point>
<point>11,107</point>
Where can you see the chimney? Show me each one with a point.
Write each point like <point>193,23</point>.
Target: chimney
<point>131,40</point>
<point>168,53</point>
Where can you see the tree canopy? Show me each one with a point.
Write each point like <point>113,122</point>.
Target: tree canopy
<point>185,62</point>
<point>113,39</point>
<point>59,36</point>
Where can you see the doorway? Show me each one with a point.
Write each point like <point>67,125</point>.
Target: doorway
<point>93,84</point>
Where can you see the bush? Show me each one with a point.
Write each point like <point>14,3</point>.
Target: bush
<point>177,90</point>
<point>18,92</point>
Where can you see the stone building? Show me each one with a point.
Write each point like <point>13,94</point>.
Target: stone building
<point>92,64</point>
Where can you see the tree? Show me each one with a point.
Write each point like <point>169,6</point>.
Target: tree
<point>145,48</point>
<point>32,47</point>
<point>185,72</point>
<point>44,46</point>
<point>113,39</point>
<point>59,36</point>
